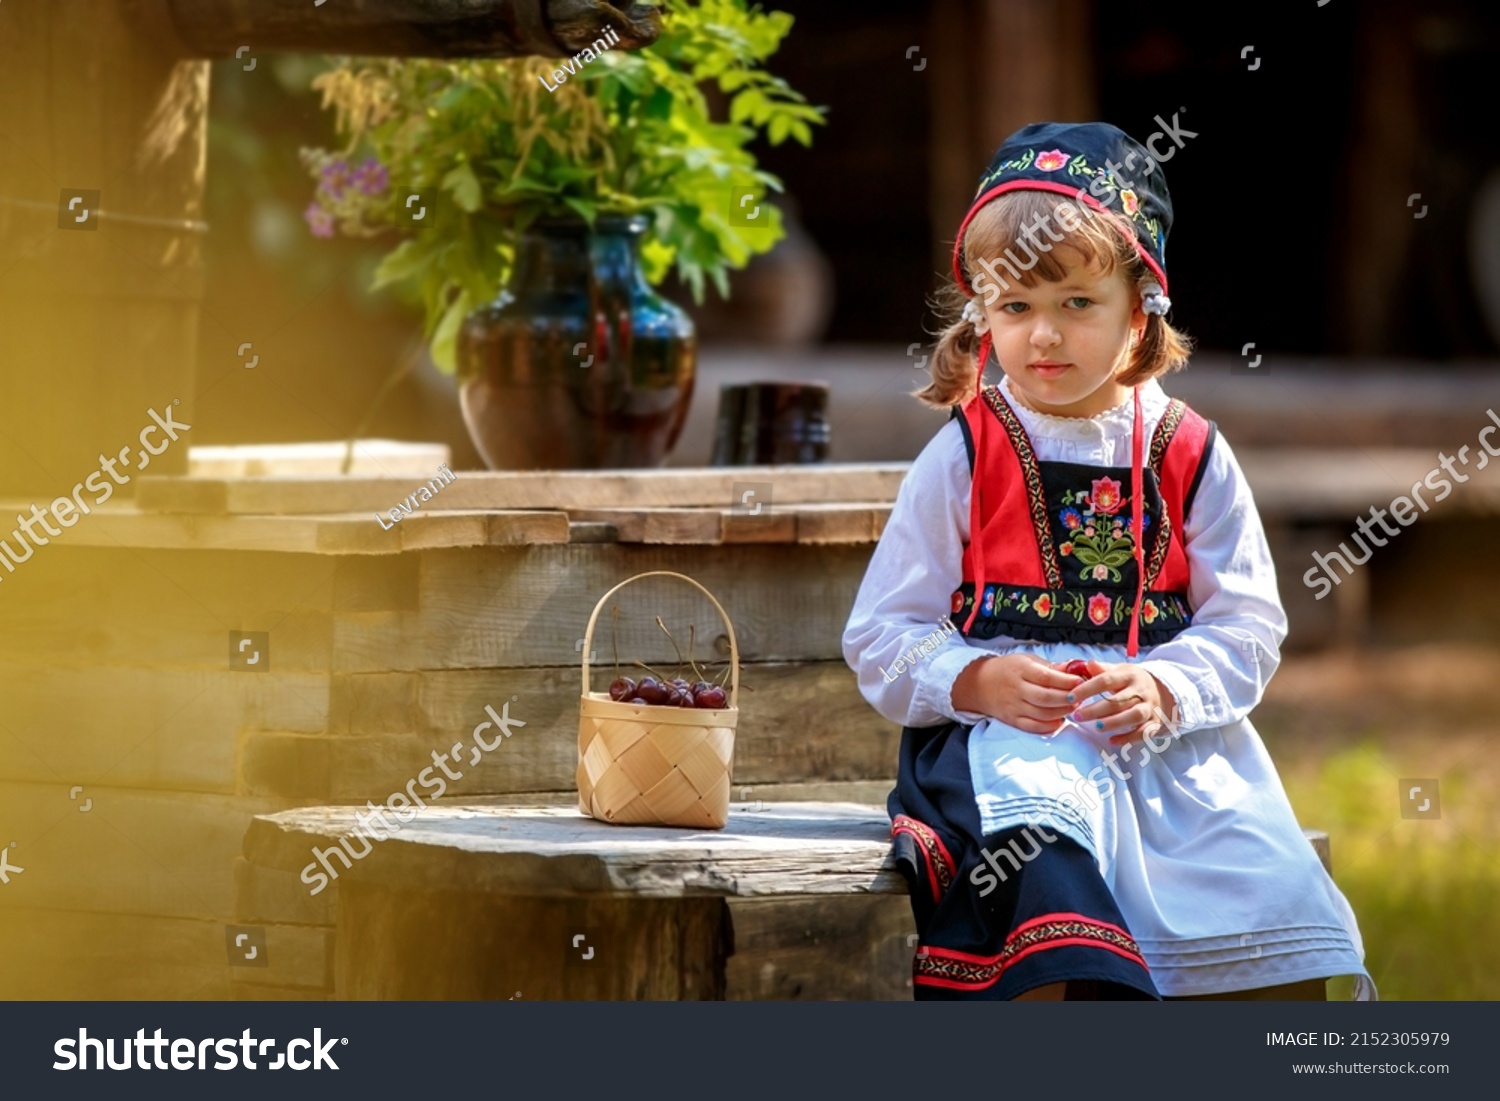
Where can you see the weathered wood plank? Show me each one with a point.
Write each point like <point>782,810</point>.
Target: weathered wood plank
<point>776,526</point>
<point>312,534</point>
<point>821,949</point>
<point>529,606</point>
<point>558,489</point>
<point>93,607</point>
<point>146,728</point>
<point>416,945</point>
<point>265,896</point>
<point>131,852</point>
<point>483,528</point>
<point>752,799</point>
<point>804,723</point>
<point>136,582</point>
<point>372,458</point>
<point>695,526</point>
<point>1345,484</point>
<point>65,955</point>
<point>839,523</point>
<point>785,849</point>
<point>801,523</point>
<point>173,631</point>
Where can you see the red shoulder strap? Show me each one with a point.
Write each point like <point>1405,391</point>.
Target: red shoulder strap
<point>1001,480</point>
<point>1186,458</point>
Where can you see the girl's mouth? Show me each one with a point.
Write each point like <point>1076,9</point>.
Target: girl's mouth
<point>1047,369</point>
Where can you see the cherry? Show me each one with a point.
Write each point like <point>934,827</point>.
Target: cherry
<point>712,698</point>
<point>622,688</point>
<point>638,700</point>
<point>700,686</point>
<point>1078,669</point>
<point>680,684</point>
<point>652,691</point>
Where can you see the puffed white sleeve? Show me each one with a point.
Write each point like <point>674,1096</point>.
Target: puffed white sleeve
<point>1219,666</point>
<point>899,640</point>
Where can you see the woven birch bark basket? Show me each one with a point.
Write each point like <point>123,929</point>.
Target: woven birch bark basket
<point>643,765</point>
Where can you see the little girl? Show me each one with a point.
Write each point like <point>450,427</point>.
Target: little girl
<point>1082,807</point>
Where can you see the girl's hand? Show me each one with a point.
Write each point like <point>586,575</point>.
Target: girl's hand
<point>1018,689</point>
<point>1130,714</point>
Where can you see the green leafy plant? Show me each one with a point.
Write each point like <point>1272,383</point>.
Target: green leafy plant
<point>660,132</point>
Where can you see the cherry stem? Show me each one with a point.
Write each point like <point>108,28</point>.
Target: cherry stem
<point>692,633</point>
<point>673,641</point>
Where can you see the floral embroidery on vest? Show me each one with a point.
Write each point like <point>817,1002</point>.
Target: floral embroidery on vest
<point>1102,539</point>
<point>1081,520</point>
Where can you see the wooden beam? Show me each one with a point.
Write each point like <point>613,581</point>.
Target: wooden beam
<point>391,458</point>
<point>345,533</point>
<point>552,489</point>
<point>408,28</point>
<point>1034,63</point>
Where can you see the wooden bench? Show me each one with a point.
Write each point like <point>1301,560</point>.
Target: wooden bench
<point>491,902</point>
<point>542,903</point>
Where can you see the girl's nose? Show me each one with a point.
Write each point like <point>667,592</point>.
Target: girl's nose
<point>1045,335</point>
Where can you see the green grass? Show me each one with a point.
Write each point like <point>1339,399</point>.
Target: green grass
<point>1425,891</point>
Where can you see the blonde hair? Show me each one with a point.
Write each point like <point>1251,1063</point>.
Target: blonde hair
<point>1101,239</point>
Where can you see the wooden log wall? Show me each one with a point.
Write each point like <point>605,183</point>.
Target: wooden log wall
<point>99,317</point>
<point>115,667</point>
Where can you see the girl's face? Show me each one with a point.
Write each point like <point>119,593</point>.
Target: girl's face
<point>1063,344</point>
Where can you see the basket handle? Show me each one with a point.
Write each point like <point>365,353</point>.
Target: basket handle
<point>734,647</point>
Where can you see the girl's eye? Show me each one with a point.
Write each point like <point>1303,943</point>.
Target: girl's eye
<point>1019,307</point>
<point>1079,298</point>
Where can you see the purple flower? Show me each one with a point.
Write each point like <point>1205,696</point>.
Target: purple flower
<point>371,177</point>
<point>336,177</point>
<point>319,220</point>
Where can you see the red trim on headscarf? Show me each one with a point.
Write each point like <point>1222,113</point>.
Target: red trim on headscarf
<point>1041,185</point>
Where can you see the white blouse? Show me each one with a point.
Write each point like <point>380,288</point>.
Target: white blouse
<point>1202,850</point>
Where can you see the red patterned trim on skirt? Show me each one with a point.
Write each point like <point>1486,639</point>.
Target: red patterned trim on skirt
<point>940,865</point>
<point>964,971</point>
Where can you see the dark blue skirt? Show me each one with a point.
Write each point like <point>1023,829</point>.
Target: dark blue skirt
<point>992,925</point>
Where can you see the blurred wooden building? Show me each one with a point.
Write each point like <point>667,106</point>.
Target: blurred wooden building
<point>1342,186</point>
